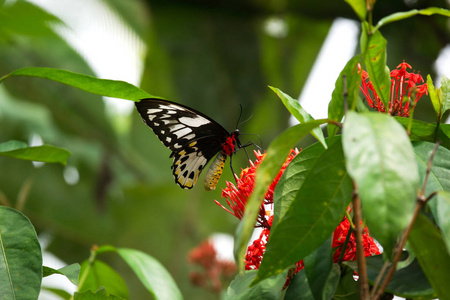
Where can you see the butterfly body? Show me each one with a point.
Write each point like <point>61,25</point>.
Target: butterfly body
<point>193,138</point>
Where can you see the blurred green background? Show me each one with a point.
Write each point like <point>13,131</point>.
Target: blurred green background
<point>210,55</point>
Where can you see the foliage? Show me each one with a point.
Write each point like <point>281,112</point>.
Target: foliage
<point>393,171</point>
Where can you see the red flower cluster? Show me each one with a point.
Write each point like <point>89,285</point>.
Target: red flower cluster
<point>214,270</point>
<point>404,93</point>
<point>339,237</point>
<point>237,196</point>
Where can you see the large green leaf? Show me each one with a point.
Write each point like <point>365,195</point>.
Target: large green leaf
<point>21,257</point>
<point>25,18</point>
<point>438,180</point>
<point>313,215</point>
<point>374,50</point>
<point>336,107</point>
<point>380,159</point>
<point>269,289</point>
<point>98,274</point>
<point>276,155</point>
<point>151,273</point>
<point>428,245</point>
<point>299,113</point>
<point>104,87</point>
<point>293,178</point>
<point>44,153</point>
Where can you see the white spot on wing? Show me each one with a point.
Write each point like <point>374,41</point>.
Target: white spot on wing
<point>194,122</point>
<point>168,139</point>
<point>151,117</point>
<point>171,107</point>
<point>182,132</point>
<point>152,111</point>
<point>190,136</point>
<point>176,127</point>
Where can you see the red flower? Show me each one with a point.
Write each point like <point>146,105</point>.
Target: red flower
<point>213,270</point>
<point>339,237</point>
<point>237,195</point>
<point>405,91</point>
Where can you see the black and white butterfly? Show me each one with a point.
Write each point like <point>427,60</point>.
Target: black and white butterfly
<point>193,138</point>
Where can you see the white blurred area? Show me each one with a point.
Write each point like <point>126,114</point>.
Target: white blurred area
<point>109,46</point>
<point>338,47</point>
<point>114,51</point>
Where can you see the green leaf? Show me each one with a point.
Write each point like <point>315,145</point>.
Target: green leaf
<point>443,213</point>
<point>151,273</point>
<point>318,266</point>
<point>71,272</point>
<point>24,18</point>
<point>299,113</point>
<point>270,166</point>
<point>408,282</point>
<point>429,247</point>
<point>407,14</point>
<point>360,8</point>
<point>104,87</point>
<point>434,97</point>
<point>445,93</point>
<point>101,294</point>
<point>58,292</point>
<point>44,153</point>
<point>348,288</point>
<point>375,62</point>
<point>98,274</point>
<point>380,159</point>
<point>269,289</point>
<point>336,105</point>
<point>299,288</point>
<point>293,178</point>
<point>313,215</point>
<point>438,179</point>
<point>21,257</point>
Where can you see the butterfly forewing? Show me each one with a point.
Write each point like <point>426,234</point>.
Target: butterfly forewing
<point>192,137</point>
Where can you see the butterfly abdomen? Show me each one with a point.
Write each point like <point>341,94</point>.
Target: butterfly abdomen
<point>215,171</point>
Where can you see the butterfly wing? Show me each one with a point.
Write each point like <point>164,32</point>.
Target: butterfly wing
<point>193,137</point>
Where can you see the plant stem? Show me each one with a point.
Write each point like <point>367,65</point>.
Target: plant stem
<point>361,258</point>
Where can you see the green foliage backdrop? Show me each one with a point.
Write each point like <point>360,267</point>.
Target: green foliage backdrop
<point>208,56</point>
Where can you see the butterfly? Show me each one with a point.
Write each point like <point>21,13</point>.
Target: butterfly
<point>193,138</point>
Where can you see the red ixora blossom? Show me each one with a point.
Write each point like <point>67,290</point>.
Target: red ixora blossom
<point>339,237</point>
<point>404,93</point>
<point>212,269</point>
<point>237,196</point>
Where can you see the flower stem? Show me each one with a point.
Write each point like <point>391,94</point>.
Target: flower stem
<point>361,258</point>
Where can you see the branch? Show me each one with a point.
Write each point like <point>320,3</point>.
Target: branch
<point>361,258</point>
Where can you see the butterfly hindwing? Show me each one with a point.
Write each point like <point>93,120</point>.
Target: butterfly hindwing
<point>193,137</point>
